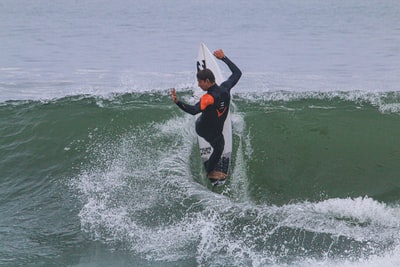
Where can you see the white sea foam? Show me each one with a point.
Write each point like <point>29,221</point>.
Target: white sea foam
<point>144,197</point>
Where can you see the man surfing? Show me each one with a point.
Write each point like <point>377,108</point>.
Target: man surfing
<point>214,108</point>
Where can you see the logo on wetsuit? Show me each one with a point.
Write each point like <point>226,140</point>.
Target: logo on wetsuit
<point>221,109</point>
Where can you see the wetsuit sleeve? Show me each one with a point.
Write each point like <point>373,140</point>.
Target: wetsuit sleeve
<point>191,109</point>
<point>235,76</point>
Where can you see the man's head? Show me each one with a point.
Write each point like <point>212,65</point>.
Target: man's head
<point>205,79</point>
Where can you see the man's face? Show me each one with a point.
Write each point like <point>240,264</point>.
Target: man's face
<point>204,84</point>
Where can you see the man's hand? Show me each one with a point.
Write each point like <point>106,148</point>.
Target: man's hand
<point>173,95</point>
<point>219,53</point>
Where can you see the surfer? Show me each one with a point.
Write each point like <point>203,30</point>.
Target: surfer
<point>214,107</point>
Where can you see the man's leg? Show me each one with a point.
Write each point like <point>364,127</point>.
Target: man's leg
<point>218,145</point>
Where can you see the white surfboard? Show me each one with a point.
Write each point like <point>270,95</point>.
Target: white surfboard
<point>206,59</point>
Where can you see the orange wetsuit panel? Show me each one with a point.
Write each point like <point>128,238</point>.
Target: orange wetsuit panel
<point>205,101</point>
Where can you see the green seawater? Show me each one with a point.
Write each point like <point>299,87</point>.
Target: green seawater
<point>314,178</point>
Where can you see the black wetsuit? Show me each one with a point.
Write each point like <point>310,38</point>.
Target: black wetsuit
<point>214,107</point>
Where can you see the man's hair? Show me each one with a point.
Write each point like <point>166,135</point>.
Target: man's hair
<point>206,74</point>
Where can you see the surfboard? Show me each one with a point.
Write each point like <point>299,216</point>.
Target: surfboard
<point>206,59</point>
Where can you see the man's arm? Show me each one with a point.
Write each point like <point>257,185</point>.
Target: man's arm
<point>236,72</point>
<point>189,108</point>
<point>185,107</point>
<point>235,76</point>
